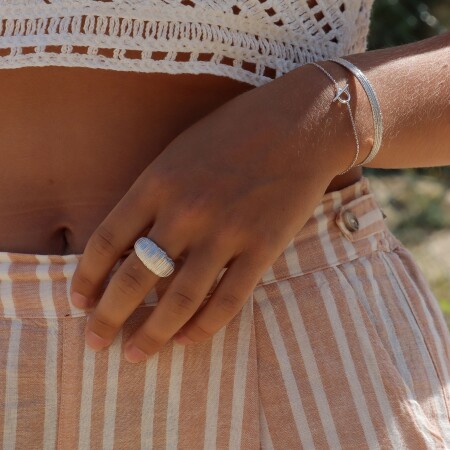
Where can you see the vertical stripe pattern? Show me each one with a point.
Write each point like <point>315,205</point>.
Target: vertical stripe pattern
<point>341,345</point>
<point>51,355</point>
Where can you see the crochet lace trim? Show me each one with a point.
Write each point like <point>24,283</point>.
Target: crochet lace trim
<point>253,41</point>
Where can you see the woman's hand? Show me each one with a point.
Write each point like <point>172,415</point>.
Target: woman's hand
<point>230,191</point>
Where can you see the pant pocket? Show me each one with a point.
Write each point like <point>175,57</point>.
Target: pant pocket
<point>329,375</point>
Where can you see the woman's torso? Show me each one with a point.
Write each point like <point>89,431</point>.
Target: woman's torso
<point>75,139</point>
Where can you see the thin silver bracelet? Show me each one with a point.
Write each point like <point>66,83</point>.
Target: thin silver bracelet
<point>339,92</point>
<point>374,103</point>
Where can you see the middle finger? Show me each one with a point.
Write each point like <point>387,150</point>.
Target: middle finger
<point>179,303</point>
<point>133,281</point>
<point>124,292</point>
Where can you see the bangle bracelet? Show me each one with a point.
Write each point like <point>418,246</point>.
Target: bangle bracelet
<point>374,103</point>
<point>339,92</point>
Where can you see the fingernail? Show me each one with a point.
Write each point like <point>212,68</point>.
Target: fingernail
<point>80,301</point>
<point>95,341</point>
<point>182,339</point>
<point>134,354</point>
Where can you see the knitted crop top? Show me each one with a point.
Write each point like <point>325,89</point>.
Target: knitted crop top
<point>248,40</point>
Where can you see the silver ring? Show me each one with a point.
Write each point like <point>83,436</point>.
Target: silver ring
<point>154,257</point>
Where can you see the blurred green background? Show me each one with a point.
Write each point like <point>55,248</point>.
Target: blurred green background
<point>416,201</point>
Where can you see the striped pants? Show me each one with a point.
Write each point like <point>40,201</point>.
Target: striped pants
<point>340,346</point>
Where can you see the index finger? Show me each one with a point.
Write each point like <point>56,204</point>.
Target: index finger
<point>107,244</point>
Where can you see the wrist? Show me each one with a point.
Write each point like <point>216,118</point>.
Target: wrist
<point>334,131</point>
<point>360,108</point>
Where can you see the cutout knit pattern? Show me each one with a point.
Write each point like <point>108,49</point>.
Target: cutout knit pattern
<point>253,41</point>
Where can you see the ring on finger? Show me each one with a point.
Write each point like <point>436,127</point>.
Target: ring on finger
<point>154,257</point>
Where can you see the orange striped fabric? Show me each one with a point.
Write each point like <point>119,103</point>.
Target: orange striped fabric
<point>342,345</point>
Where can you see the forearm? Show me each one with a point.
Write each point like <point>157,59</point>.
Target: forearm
<point>412,83</point>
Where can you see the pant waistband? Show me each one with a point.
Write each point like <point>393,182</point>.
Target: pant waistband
<point>345,225</point>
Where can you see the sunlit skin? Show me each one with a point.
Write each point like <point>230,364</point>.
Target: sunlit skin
<point>276,150</point>
<point>75,139</point>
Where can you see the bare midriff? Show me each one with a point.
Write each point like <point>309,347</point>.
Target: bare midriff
<point>74,140</point>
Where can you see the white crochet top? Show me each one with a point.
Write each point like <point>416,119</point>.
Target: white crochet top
<point>249,40</point>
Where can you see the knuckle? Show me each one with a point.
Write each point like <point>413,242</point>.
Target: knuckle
<point>264,246</point>
<point>82,283</point>
<point>236,222</point>
<point>148,342</point>
<point>230,303</point>
<point>182,303</point>
<point>166,229</point>
<point>192,209</point>
<point>183,215</point>
<point>162,181</point>
<point>129,282</point>
<point>221,238</point>
<point>105,324</point>
<point>197,333</point>
<point>162,178</point>
<point>231,232</point>
<point>102,242</point>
